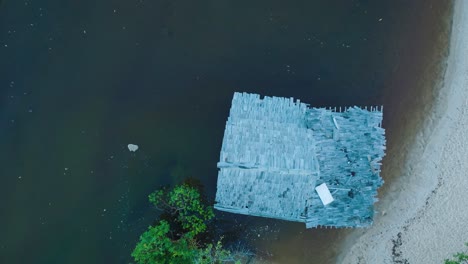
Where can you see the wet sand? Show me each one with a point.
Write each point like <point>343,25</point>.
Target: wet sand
<point>423,213</point>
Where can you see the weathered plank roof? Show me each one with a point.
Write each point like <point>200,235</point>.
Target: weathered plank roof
<point>275,152</point>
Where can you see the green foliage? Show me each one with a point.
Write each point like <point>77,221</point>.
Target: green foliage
<point>163,243</point>
<point>459,258</point>
<point>156,247</point>
<point>215,254</point>
<point>185,204</point>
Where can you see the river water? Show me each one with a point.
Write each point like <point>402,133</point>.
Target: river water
<point>80,80</point>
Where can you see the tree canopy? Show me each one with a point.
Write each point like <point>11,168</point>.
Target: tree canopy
<point>175,238</point>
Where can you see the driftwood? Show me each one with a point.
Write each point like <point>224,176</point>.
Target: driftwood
<point>275,152</point>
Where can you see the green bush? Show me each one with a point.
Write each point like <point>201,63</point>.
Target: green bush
<point>175,237</point>
<point>156,247</point>
<point>185,205</point>
<point>459,258</point>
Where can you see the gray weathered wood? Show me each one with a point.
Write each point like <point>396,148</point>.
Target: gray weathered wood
<point>276,150</point>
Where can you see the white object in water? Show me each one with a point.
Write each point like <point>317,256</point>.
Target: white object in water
<point>324,194</point>
<point>132,147</point>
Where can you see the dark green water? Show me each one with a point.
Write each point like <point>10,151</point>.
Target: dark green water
<point>79,80</point>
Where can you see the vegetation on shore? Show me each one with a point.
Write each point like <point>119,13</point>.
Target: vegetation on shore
<point>458,258</point>
<point>181,235</point>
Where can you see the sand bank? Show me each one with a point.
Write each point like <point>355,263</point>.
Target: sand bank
<point>424,216</point>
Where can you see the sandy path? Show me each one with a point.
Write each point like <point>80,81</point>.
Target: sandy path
<point>424,218</point>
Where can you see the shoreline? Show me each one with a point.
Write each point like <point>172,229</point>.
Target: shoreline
<point>421,217</point>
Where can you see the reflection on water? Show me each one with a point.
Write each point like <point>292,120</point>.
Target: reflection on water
<point>82,80</point>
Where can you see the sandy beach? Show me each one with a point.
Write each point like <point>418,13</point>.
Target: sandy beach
<point>424,216</point>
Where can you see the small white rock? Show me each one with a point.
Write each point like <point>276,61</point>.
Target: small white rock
<point>132,147</point>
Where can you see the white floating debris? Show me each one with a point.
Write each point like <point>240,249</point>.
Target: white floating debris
<point>380,19</point>
<point>132,147</point>
<point>324,194</point>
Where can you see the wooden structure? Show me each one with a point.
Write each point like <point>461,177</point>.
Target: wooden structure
<point>277,151</point>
